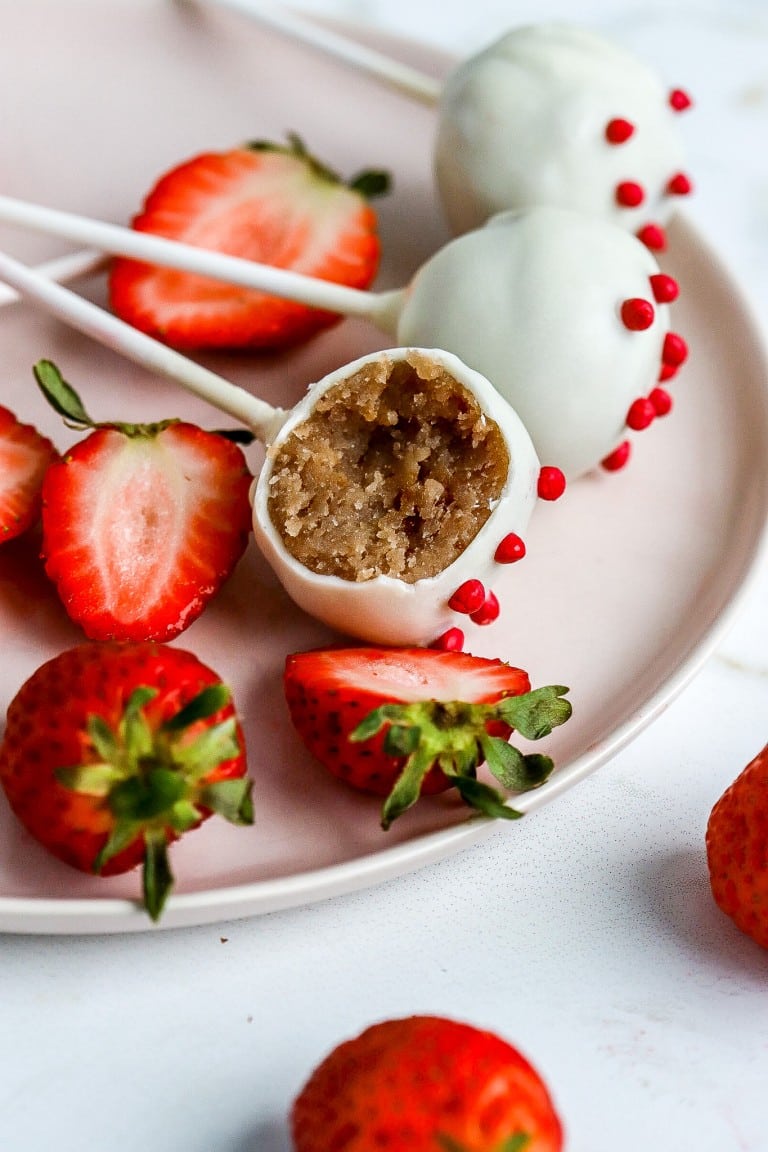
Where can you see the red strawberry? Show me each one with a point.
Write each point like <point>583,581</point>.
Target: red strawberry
<point>262,202</point>
<point>24,457</point>
<point>401,721</point>
<point>737,850</point>
<point>142,523</point>
<point>113,751</point>
<point>425,1084</point>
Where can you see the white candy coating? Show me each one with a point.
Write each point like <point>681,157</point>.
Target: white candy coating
<point>533,302</point>
<point>386,610</point>
<point>523,123</point>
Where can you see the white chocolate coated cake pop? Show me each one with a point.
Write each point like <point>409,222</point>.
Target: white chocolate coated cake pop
<point>565,313</point>
<point>555,115</point>
<point>398,570</point>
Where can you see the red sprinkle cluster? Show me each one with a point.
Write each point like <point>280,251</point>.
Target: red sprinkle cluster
<point>630,194</point>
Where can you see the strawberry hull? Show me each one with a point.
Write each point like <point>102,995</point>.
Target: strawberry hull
<point>71,714</point>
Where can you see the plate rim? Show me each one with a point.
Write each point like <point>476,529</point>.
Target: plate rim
<point>95,915</point>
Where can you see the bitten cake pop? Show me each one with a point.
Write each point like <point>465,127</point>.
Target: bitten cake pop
<point>566,314</point>
<point>547,114</point>
<point>391,495</point>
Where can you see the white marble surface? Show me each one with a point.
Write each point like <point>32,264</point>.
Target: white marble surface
<point>594,944</point>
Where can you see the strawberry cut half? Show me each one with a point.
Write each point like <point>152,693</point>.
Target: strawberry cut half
<point>401,722</point>
<point>24,457</point>
<point>271,204</point>
<point>142,524</point>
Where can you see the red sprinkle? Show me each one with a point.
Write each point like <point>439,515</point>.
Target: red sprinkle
<point>629,194</point>
<point>618,130</point>
<point>450,641</point>
<point>679,100</point>
<point>618,458</point>
<point>637,314</point>
<point>667,372</point>
<point>679,185</point>
<point>641,414</point>
<point>468,597</point>
<point>489,611</point>
<point>653,236</point>
<point>510,549</point>
<point>675,350</point>
<point>665,288</point>
<point>551,483</point>
<point>661,400</point>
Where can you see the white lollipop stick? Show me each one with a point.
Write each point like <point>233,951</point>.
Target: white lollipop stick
<point>381,308</point>
<point>63,269</point>
<point>263,420</point>
<point>409,81</point>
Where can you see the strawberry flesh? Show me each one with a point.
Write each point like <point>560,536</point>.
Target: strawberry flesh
<point>139,532</point>
<point>269,206</point>
<point>24,458</point>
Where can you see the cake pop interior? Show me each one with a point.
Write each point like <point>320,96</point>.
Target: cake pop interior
<point>393,473</point>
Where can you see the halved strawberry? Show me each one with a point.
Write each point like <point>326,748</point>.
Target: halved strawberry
<point>142,523</point>
<point>263,202</point>
<point>24,457</point>
<point>398,722</point>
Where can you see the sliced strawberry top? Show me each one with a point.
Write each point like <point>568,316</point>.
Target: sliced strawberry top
<point>407,675</point>
<point>139,532</point>
<point>24,457</point>
<point>271,206</point>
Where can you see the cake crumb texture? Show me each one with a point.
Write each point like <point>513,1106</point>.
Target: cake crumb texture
<point>394,473</point>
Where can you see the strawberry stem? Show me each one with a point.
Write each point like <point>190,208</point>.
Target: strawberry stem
<point>454,736</point>
<point>157,879</point>
<point>155,781</point>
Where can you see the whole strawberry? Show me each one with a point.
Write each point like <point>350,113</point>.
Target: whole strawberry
<point>24,456</point>
<point>142,523</point>
<point>113,751</point>
<point>425,1084</point>
<point>399,722</point>
<point>737,850</point>
<point>265,202</point>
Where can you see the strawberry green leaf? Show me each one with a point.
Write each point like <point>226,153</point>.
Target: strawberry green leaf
<point>207,703</point>
<point>60,395</point>
<point>157,878</point>
<point>141,798</point>
<point>371,183</point>
<point>90,779</point>
<point>536,713</point>
<point>515,1143</point>
<point>236,435</point>
<point>401,741</point>
<point>184,816</point>
<point>484,799</point>
<point>505,761</point>
<point>511,768</point>
<point>102,738</point>
<point>407,787</point>
<point>375,721</point>
<point>212,747</point>
<point>123,834</point>
<point>231,799</point>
